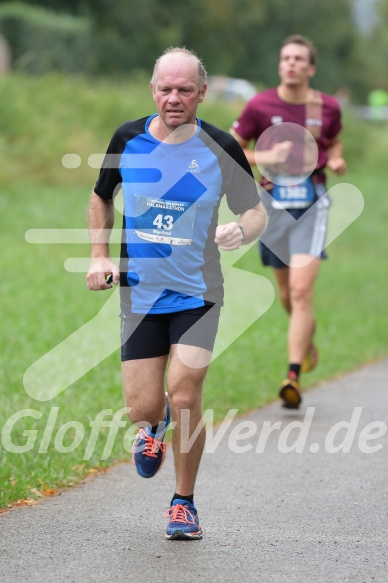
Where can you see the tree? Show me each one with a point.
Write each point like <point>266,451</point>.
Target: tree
<point>239,38</point>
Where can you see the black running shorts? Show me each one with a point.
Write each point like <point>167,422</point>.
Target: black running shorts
<point>151,335</point>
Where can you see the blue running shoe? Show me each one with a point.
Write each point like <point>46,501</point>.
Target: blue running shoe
<point>184,522</point>
<point>149,450</point>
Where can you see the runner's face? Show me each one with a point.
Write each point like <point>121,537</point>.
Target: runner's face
<point>176,91</point>
<point>295,68</point>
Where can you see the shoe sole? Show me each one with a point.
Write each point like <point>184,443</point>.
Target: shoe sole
<point>310,361</point>
<point>142,474</point>
<point>180,535</point>
<point>139,471</point>
<point>291,397</point>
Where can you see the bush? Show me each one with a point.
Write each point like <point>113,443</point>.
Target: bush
<point>42,41</point>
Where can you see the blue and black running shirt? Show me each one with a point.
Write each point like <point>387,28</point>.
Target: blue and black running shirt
<point>172,193</point>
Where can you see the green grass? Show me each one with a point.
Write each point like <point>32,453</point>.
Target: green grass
<point>42,304</point>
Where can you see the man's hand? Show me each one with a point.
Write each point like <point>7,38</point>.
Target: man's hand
<point>96,276</point>
<point>276,158</point>
<point>280,152</point>
<point>335,161</point>
<point>252,223</point>
<point>337,165</point>
<point>229,237</point>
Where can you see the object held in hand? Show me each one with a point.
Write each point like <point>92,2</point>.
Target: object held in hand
<point>108,278</point>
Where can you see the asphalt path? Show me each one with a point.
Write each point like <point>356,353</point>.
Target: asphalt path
<point>284,496</point>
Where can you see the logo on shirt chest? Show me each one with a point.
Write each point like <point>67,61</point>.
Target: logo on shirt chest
<point>193,167</point>
<point>276,119</point>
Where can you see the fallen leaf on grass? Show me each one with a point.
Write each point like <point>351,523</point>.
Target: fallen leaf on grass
<point>25,502</point>
<point>36,492</point>
<point>97,470</point>
<point>48,491</point>
<point>51,492</point>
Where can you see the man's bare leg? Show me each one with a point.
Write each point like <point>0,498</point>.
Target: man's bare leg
<point>282,276</point>
<point>296,288</point>
<point>301,283</point>
<point>185,397</point>
<point>143,382</point>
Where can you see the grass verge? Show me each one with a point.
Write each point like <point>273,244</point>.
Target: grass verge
<point>56,443</point>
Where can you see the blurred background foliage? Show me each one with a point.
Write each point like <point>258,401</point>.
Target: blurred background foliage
<point>236,38</point>
<point>79,69</point>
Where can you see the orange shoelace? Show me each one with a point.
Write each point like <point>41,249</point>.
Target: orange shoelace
<point>152,445</point>
<point>180,513</point>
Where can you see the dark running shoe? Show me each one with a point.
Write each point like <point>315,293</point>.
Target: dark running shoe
<point>149,450</point>
<point>290,393</point>
<point>184,523</point>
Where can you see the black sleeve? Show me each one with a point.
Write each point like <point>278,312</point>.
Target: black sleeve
<point>110,177</point>
<point>239,184</point>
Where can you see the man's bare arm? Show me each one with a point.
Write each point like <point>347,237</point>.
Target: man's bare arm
<point>336,163</point>
<point>278,154</point>
<point>100,222</point>
<point>250,226</point>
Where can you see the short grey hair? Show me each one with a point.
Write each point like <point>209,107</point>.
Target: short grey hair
<point>202,74</point>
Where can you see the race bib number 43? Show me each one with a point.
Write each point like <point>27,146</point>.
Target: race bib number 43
<point>164,221</point>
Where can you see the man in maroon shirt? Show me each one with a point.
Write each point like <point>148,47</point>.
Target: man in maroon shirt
<point>296,134</point>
